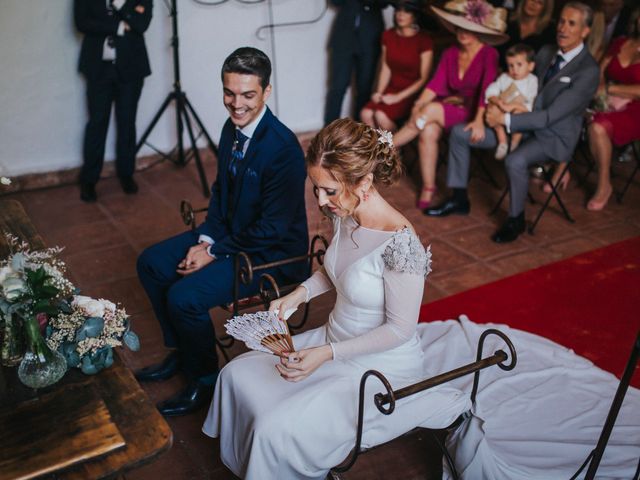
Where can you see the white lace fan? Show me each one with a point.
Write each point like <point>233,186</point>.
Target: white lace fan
<point>262,331</point>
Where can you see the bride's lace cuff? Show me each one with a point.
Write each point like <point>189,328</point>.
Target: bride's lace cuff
<point>406,254</point>
<point>317,284</point>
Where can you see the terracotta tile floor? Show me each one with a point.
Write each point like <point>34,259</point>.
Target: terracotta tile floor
<point>103,240</point>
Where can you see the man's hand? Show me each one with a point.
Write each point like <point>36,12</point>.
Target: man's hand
<point>297,366</point>
<point>197,257</point>
<point>139,9</point>
<point>494,116</point>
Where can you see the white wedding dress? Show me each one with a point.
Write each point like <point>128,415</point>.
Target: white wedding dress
<point>524,424</point>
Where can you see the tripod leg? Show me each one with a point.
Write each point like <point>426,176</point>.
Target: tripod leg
<point>157,116</point>
<point>196,152</point>
<point>212,145</point>
<point>181,160</point>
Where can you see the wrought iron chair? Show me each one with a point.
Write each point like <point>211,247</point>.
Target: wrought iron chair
<point>268,289</point>
<point>381,400</point>
<point>547,175</point>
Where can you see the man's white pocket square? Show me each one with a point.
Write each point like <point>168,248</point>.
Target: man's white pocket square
<point>565,79</point>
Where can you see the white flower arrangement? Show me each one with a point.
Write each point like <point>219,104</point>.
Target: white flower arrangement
<point>86,331</point>
<point>5,181</point>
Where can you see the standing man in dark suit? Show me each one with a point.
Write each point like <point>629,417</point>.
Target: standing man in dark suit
<point>568,78</point>
<point>354,46</point>
<point>616,18</point>
<point>114,61</point>
<point>257,207</point>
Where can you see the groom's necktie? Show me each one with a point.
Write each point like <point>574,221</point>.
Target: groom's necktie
<point>553,69</point>
<point>237,152</point>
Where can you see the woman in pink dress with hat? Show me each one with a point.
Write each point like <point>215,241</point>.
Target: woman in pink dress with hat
<point>455,93</point>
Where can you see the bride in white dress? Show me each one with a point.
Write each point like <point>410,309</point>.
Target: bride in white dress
<point>294,418</point>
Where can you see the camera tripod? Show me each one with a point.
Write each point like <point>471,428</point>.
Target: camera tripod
<point>185,114</point>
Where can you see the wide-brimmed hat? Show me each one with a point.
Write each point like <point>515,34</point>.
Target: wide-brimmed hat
<point>477,16</point>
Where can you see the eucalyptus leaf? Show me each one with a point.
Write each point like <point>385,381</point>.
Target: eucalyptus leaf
<point>108,361</point>
<point>4,306</point>
<point>92,327</point>
<point>70,353</point>
<point>64,307</point>
<point>87,367</point>
<point>131,340</point>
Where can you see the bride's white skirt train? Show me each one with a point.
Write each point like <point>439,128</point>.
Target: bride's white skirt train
<point>538,421</point>
<point>542,419</point>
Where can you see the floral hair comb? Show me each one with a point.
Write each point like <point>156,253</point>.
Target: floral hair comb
<point>385,137</point>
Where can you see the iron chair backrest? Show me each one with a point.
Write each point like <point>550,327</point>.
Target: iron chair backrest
<point>244,271</point>
<point>391,396</point>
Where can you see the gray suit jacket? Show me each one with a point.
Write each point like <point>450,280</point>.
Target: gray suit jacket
<point>558,110</point>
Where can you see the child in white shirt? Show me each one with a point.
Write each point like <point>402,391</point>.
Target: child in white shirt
<point>514,92</point>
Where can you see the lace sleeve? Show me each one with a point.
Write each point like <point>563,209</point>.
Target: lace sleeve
<point>405,254</point>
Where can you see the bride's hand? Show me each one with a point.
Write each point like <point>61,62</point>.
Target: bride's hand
<point>291,301</point>
<point>297,366</point>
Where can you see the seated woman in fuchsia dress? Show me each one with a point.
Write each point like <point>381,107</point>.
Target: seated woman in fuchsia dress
<point>621,83</point>
<point>455,93</point>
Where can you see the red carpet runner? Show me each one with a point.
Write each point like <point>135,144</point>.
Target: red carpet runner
<point>589,303</point>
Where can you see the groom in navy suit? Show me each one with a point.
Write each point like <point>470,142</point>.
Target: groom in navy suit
<point>257,206</point>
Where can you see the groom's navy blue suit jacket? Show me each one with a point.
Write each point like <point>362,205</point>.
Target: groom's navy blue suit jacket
<point>265,217</point>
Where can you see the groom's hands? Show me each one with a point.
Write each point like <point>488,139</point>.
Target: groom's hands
<point>197,257</point>
<point>297,366</point>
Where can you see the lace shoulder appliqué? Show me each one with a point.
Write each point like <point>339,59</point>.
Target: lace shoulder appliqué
<point>405,254</point>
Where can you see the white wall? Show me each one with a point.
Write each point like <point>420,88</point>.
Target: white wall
<point>42,96</point>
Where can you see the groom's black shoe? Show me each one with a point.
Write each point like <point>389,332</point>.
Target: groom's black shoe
<point>511,230</point>
<point>448,207</point>
<point>192,398</point>
<point>162,371</point>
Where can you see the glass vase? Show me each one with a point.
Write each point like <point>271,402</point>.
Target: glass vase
<point>40,366</point>
<point>12,346</point>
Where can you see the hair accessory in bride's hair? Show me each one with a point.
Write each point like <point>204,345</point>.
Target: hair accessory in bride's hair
<point>385,137</point>
<point>262,331</point>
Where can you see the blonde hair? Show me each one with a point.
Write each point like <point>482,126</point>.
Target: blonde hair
<point>350,151</point>
<point>543,20</point>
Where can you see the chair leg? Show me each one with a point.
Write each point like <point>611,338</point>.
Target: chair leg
<point>636,153</point>
<point>554,193</point>
<point>487,173</point>
<point>499,202</point>
<point>447,456</point>
<point>591,164</point>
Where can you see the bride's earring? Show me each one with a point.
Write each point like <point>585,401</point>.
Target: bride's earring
<point>365,195</point>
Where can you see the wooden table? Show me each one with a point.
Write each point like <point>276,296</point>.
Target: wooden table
<point>138,431</point>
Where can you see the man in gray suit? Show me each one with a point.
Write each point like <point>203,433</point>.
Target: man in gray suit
<point>568,78</point>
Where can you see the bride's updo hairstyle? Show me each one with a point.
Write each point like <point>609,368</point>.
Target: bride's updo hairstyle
<point>350,150</point>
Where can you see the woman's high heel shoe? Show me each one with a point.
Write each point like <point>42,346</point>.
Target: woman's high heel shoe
<point>422,204</point>
<point>546,188</point>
